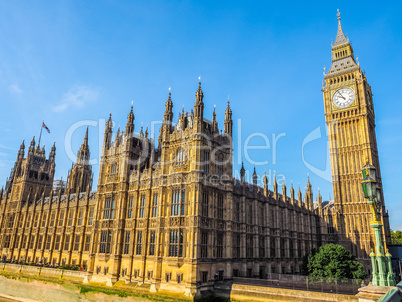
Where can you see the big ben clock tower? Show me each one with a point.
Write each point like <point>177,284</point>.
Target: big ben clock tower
<point>349,114</point>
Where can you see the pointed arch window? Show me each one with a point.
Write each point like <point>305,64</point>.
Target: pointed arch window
<point>181,156</point>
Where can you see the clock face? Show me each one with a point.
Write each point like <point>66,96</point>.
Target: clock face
<point>343,97</point>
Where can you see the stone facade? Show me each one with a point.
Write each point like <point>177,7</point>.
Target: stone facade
<point>173,216</point>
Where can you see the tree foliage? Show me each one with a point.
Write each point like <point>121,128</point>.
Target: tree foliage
<point>332,261</point>
<point>396,237</point>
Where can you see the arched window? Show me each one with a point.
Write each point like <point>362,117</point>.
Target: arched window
<point>113,169</point>
<point>220,165</point>
<point>180,157</point>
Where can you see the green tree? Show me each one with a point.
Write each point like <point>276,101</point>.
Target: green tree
<point>396,237</point>
<point>332,261</point>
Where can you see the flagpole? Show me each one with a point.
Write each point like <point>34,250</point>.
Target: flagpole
<point>40,135</point>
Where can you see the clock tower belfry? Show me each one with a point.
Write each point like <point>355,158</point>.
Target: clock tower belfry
<point>349,114</point>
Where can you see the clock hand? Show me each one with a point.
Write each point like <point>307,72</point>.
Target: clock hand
<point>341,96</point>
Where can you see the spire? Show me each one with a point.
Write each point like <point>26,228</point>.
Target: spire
<point>21,152</point>
<point>265,183</point>
<point>228,120</point>
<point>199,95</point>
<point>199,107</point>
<point>168,115</point>
<point>214,122</point>
<point>108,133</point>
<point>292,192</point>
<point>86,138</point>
<point>52,154</point>
<point>284,191</point>
<point>255,177</point>
<point>340,36</point>
<point>242,173</point>
<point>299,197</point>
<point>83,153</point>
<point>130,122</point>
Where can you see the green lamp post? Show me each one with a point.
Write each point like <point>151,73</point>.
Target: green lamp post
<point>380,261</point>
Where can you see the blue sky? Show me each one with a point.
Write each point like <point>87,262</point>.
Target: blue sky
<point>71,62</point>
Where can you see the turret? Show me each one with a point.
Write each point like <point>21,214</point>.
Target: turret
<point>168,115</point>
<point>130,123</point>
<point>21,152</point>
<point>284,191</point>
<point>319,202</point>
<point>31,149</point>
<point>292,193</point>
<point>52,154</point>
<point>255,177</point>
<point>275,188</point>
<point>107,140</point>
<point>214,122</point>
<point>199,108</point>
<point>299,197</point>
<point>242,173</point>
<point>228,121</point>
<point>84,153</point>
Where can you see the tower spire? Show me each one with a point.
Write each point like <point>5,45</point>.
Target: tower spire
<point>340,36</point>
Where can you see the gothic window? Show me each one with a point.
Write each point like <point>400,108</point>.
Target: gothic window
<point>127,236</point>
<point>139,243</point>
<point>176,243</point>
<point>130,207</point>
<point>105,240</point>
<point>155,206</point>
<point>24,242</point>
<point>178,202</point>
<point>70,217</point>
<point>291,248</point>
<point>36,220</point>
<point>52,217</point>
<point>219,245</point>
<point>204,244</point>
<point>57,243</point>
<point>11,220</point>
<point>220,165</point>
<point>299,249</point>
<point>108,211</point>
<point>113,169</point>
<point>66,242</point>
<point>40,241</point>
<point>90,216</point>
<point>142,207</point>
<point>236,245</point>
<point>249,246</point>
<point>204,208</point>
<point>152,243</point>
<point>220,206</point>
<point>77,242</point>
<point>180,157</point>
<point>48,241</point>
<point>206,162</point>
<point>21,221</point>
<point>7,241</point>
<point>87,243</point>
<point>273,247</point>
<point>261,243</point>
<point>236,210</point>
<point>261,215</point>
<point>250,214</point>
<point>17,242</point>
<point>61,218</point>
<point>282,247</point>
<point>80,217</point>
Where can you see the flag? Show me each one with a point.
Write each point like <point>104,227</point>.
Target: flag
<point>44,126</point>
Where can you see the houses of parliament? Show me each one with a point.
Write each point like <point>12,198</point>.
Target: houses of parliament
<point>172,215</point>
